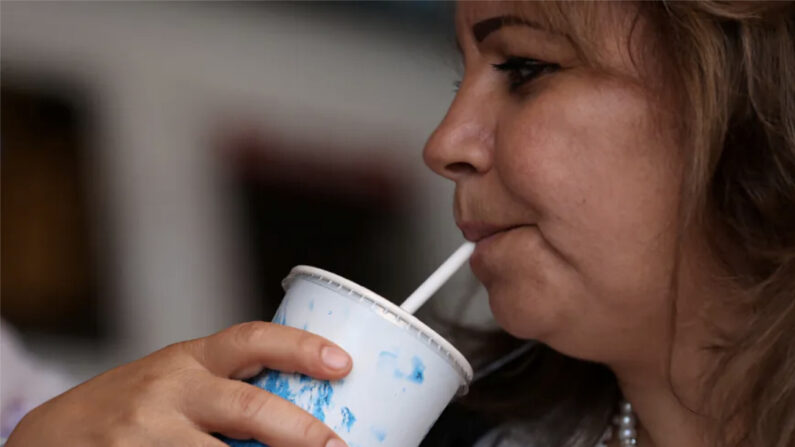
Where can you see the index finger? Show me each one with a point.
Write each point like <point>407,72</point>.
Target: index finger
<point>273,346</point>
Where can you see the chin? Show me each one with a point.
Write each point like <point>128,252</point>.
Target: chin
<point>549,319</point>
<point>521,317</point>
<point>532,293</point>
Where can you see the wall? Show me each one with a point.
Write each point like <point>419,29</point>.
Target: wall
<point>161,75</point>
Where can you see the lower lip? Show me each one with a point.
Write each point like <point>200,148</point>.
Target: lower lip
<point>490,240</point>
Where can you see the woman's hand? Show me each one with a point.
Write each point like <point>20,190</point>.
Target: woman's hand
<point>179,394</point>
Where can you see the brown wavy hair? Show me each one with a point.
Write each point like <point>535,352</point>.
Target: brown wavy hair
<point>733,65</point>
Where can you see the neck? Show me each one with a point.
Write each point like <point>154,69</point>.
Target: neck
<point>666,392</point>
<point>664,419</point>
<point>666,388</point>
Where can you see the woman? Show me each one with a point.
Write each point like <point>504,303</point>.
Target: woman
<point>628,172</point>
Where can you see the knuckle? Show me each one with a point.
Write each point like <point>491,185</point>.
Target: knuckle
<point>189,347</point>
<point>121,427</point>
<point>308,344</point>
<point>252,332</point>
<point>144,384</point>
<point>180,353</point>
<point>135,416</point>
<point>150,387</point>
<point>162,382</point>
<point>251,403</point>
<point>181,382</point>
<point>178,348</point>
<point>196,352</point>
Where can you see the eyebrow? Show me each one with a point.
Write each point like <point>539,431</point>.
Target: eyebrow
<point>485,27</point>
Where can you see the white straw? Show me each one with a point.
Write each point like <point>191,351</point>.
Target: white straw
<point>438,278</point>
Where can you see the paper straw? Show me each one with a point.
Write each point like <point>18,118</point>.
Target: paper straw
<point>438,278</point>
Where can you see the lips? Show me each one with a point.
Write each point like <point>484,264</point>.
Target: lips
<point>477,231</point>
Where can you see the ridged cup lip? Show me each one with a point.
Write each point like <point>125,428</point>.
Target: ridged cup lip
<point>389,309</point>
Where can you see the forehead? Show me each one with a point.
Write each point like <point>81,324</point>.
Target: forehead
<point>545,15</point>
<point>604,34</point>
<point>579,20</point>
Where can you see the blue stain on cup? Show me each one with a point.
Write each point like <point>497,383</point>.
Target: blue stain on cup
<point>313,395</point>
<point>417,374</point>
<point>348,419</point>
<point>378,433</point>
<point>388,361</point>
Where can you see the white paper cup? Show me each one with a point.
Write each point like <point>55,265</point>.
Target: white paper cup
<point>404,374</point>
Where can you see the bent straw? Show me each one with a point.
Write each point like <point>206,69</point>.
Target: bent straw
<point>438,278</point>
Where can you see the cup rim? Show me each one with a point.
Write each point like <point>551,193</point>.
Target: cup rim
<point>445,347</point>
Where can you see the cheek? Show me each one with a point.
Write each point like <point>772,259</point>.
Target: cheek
<point>532,292</point>
<point>605,183</point>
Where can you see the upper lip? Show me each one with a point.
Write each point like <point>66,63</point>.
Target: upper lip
<point>476,231</point>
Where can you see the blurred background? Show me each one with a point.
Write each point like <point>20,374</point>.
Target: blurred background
<point>164,165</point>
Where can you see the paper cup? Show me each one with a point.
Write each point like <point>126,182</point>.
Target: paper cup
<point>404,374</point>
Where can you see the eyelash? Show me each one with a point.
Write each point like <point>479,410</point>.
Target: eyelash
<point>520,70</point>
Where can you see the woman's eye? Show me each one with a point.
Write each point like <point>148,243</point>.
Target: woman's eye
<point>521,70</point>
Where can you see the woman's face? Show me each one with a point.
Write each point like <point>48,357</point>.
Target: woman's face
<point>568,180</point>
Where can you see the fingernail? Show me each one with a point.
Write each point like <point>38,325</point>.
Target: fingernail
<point>334,358</point>
<point>335,443</point>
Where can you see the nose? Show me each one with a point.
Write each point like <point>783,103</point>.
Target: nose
<point>463,144</point>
